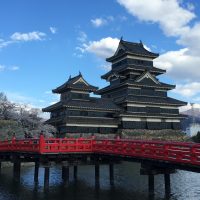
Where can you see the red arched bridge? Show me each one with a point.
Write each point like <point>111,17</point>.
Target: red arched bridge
<point>172,152</point>
<point>156,157</point>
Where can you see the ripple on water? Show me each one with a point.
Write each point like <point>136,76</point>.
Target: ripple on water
<point>129,185</point>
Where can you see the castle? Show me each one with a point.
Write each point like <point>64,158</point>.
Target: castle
<point>134,98</point>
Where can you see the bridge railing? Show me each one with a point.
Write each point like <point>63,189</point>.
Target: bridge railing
<point>65,145</point>
<point>168,151</point>
<point>50,145</point>
<point>158,150</point>
<point>14,145</point>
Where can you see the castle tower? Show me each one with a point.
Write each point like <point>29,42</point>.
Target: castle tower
<point>135,88</point>
<point>77,112</point>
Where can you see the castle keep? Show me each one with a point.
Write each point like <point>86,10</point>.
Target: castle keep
<point>134,98</point>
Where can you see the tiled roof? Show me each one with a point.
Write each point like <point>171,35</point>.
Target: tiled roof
<point>133,67</point>
<point>91,103</point>
<point>71,84</point>
<point>84,120</point>
<point>151,100</point>
<point>153,84</point>
<point>159,115</point>
<point>136,84</point>
<point>132,48</point>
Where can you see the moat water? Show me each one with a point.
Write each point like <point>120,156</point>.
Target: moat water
<point>129,185</point>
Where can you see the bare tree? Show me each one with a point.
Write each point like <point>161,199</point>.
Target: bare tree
<point>6,107</point>
<point>27,118</point>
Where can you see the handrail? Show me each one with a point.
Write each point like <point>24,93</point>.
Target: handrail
<point>176,152</point>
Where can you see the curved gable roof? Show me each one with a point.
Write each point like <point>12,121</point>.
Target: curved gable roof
<point>76,83</point>
<point>132,48</point>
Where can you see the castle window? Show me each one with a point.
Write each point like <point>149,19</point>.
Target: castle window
<point>140,61</point>
<point>83,113</point>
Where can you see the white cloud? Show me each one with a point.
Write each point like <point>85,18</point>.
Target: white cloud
<point>4,43</point>
<point>53,30</point>
<point>82,36</point>
<point>11,68</point>
<point>191,38</point>
<point>14,68</point>
<point>81,49</point>
<point>31,36</point>
<point>169,14</point>
<point>98,22</point>
<point>22,37</point>
<point>183,67</point>
<point>105,67</point>
<point>78,55</point>
<point>188,107</point>
<point>2,67</point>
<point>102,48</point>
<point>188,89</point>
<point>175,20</point>
<point>180,64</point>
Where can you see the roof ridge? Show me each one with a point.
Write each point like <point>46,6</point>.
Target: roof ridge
<point>135,43</point>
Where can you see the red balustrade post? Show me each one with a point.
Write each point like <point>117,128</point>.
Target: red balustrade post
<point>79,144</point>
<point>13,141</point>
<point>192,154</point>
<point>166,151</point>
<point>60,144</point>
<point>93,142</point>
<point>142,149</point>
<point>41,143</point>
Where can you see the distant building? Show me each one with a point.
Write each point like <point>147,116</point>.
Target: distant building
<point>134,98</point>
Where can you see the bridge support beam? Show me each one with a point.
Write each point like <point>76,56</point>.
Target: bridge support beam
<point>167,184</point>
<point>65,174</point>
<point>36,171</point>
<point>152,170</point>
<point>75,172</point>
<point>111,172</point>
<point>46,177</point>
<point>97,172</point>
<point>16,170</point>
<point>151,184</point>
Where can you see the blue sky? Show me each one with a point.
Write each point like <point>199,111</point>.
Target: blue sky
<point>42,42</point>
